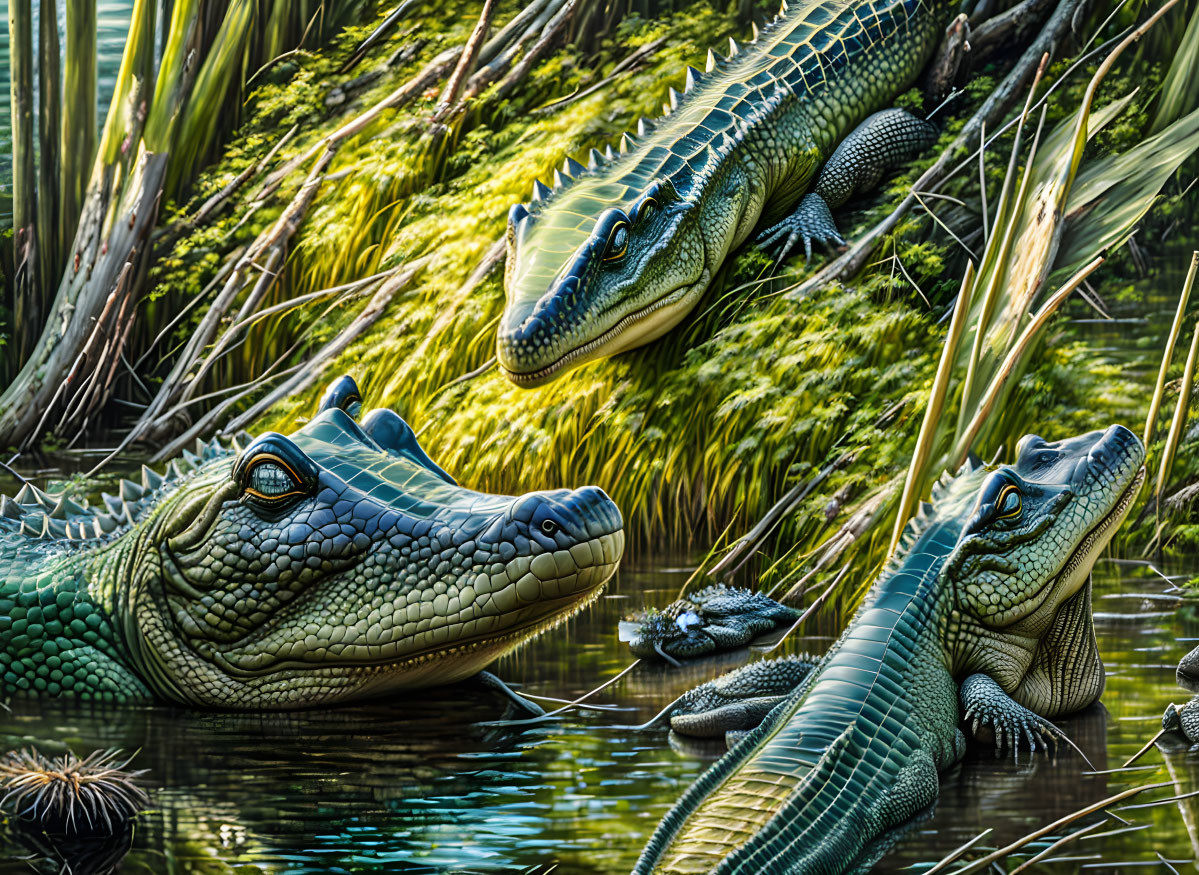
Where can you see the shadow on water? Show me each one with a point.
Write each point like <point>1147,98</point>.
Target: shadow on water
<point>420,785</point>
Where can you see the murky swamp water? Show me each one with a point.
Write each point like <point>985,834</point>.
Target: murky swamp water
<point>422,784</point>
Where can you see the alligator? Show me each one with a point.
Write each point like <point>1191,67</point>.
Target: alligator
<point>336,563</point>
<point>620,250</point>
<point>1184,719</point>
<point>981,619</point>
<point>715,618</point>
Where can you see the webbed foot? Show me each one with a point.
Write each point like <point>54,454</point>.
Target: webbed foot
<point>812,220</point>
<point>987,706</point>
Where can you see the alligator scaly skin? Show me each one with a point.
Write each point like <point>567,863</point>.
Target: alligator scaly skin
<point>986,613</point>
<point>336,563</point>
<point>741,145</point>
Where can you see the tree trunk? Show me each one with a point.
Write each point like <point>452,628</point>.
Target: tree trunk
<point>49,236</point>
<point>79,120</point>
<point>26,301</point>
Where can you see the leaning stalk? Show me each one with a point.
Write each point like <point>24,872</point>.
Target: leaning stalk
<point>79,118</point>
<point>24,194</point>
<point>49,123</point>
<point>1180,417</point>
<point>1168,352</point>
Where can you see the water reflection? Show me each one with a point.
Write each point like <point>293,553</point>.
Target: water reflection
<point>419,785</point>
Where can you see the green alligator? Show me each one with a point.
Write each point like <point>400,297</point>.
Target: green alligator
<point>619,251</point>
<point>1184,719</point>
<point>983,616</point>
<point>339,562</point>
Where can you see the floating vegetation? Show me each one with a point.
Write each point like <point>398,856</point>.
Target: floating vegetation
<point>71,795</point>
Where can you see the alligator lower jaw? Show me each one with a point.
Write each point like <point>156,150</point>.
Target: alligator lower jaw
<point>1096,539</point>
<point>637,328</point>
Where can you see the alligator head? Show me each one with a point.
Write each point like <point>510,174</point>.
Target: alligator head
<point>1028,546</point>
<point>339,562</point>
<point>581,288</point>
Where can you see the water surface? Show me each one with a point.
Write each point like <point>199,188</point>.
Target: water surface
<point>421,784</point>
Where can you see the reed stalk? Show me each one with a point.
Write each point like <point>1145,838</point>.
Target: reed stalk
<point>49,132</point>
<point>913,487</point>
<point>1180,416</point>
<point>79,118</point>
<point>26,304</point>
<point>1168,351</point>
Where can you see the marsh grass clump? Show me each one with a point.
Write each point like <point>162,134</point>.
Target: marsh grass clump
<point>69,795</point>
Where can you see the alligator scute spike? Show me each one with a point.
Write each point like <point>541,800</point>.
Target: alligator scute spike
<point>9,509</point>
<point>191,458</point>
<point>711,64</point>
<point>756,32</point>
<point>693,78</point>
<point>151,479</point>
<point>65,508</point>
<point>594,158</point>
<point>734,49</point>
<point>608,153</point>
<point>131,491</point>
<point>56,528</point>
<point>573,167</point>
<point>172,472</point>
<point>105,525</point>
<point>216,447</point>
<point>674,99</point>
<point>541,191</point>
<point>31,495</point>
<point>641,129</point>
<point>626,143</point>
<point>33,525</point>
<point>111,502</point>
<point>559,179</point>
<point>127,511</point>
<point>666,109</point>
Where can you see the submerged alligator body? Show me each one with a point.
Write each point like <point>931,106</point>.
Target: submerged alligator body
<point>1185,718</point>
<point>985,616</point>
<point>335,563</point>
<point>618,252</point>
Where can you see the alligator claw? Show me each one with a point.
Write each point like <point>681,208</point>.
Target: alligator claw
<point>812,220</point>
<point>988,707</point>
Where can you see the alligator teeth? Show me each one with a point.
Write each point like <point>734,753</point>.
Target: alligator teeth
<point>573,167</point>
<point>693,78</point>
<point>626,143</point>
<point>594,159</point>
<point>641,129</point>
<point>64,508</point>
<point>540,190</point>
<point>711,61</point>
<point>734,49</point>
<point>130,491</point>
<point>559,179</point>
<point>151,479</point>
<point>31,495</point>
<point>9,509</point>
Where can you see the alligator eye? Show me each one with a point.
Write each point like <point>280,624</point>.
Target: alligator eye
<point>1009,503</point>
<point>617,243</point>
<point>271,481</point>
<point>646,210</point>
<point>549,526</point>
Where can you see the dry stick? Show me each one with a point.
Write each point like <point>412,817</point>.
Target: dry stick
<point>1060,822</point>
<point>815,606</point>
<point>992,111</point>
<point>1014,356</point>
<point>1168,352</point>
<point>1064,840</point>
<point>628,64</point>
<point>466,63</point>
<point>1144,750</point>
<point>568,705</point>
<point>957,852</point>
<point>914,485</point>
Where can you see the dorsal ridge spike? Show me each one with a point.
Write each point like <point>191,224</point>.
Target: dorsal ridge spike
<point>674,99</point>
<point>693,78</point>
<point>626,143</point>
<point>541,191</point>
<point>711,62</point>
<point>608,153</point>
<point>734,49</point>
<point>559,179</point>
<point>641,128</point>
<point>594,158</point>
<point>573,167</point>
<point>754,26</point>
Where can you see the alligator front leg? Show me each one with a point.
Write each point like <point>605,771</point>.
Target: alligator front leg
<point>882,142</point>
<point>987,706</point>
<point>739,700</point>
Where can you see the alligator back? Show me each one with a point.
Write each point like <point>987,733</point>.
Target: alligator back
<point>853,753</point>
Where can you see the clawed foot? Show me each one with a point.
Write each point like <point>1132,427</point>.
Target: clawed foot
<point>812,220</point>
<point>1014,727</point>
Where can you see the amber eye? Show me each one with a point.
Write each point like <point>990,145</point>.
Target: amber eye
<point>271,481</point>
<point>618,242</point>
<point>646,210</point>
<point>1009,503</point>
